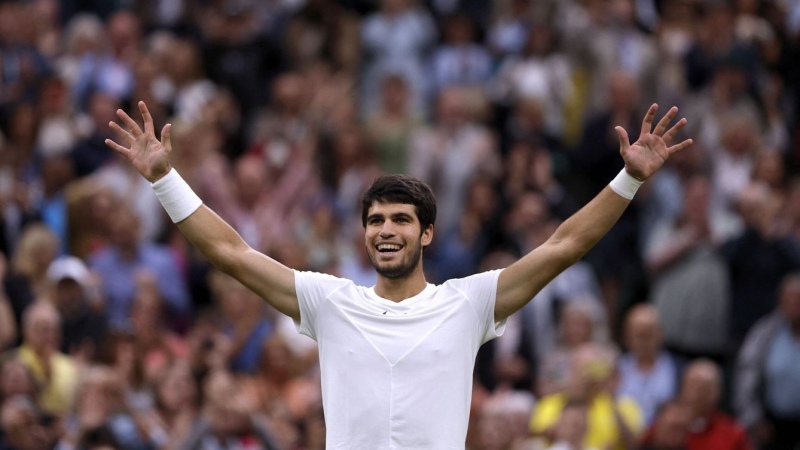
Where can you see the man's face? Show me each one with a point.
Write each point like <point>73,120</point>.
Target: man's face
<point>394,239</point>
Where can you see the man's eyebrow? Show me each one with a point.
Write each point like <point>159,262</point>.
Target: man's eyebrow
<point>375,216</point>
<point>403,215</point>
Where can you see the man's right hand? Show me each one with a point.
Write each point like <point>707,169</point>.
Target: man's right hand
<point>147,154</point>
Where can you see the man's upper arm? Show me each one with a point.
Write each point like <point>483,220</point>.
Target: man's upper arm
<point>270,279</point>
<point>521,281</point>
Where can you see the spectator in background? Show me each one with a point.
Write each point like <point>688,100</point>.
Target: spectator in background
<point>75,295</point>
<point>580,322</point>
<point>89,154</point>
<point>511,22</point>
<point>709,427</point>
<point>120,262</point>
<point>110,70</point>
<point>99,405</point>
<point>758,259</point>
<point>16,380</point>
<point>27,279</point>
<point>452,152</point>
<point>459,60</point>
<point>324,31</point>
<point>155,345</point>
<point>502,422</point>
<point>55,372</point>
<point>245,324</point>
<point>193,91</point>
<point>24,65</point>
<point>541,74</point>
<point>613,422</point>
<point>767,385</point>
<point>670,429</point>
<point>648,373</point>
<point>570,433</point>
<point>396,40</point>
<point>22,427</point>
<point>228,419</point>
<point>392,124</point>
<point>175,408</point>
<point>691,288</point>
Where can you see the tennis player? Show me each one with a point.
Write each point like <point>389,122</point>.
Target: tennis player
<point>397,358</point>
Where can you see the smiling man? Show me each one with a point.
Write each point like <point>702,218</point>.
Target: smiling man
<point>396,358</point>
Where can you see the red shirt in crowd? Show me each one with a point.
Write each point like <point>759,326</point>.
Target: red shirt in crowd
<point>721,433</point>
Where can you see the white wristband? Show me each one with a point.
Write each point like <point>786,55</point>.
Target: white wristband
<point>625,185</point>
<point>176,196</point>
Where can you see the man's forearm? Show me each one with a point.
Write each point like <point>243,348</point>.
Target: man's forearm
<point>215,238</point>
<point>587,226</point>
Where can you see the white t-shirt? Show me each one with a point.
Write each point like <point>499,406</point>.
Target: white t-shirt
<point>397,375</point>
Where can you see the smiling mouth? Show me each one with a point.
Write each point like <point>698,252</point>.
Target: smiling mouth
<point>388,249</point>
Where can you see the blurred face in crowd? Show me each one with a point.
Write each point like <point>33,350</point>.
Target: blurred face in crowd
<point>21,427</point>
<point>15,379</point>
<point>68,295</point>
<point>450,107</point>
<point>572,425</point>
<point>643,335</point>
<point>176,388</point>
<point>250,178</point>
<point>102,109</point>
<point>696,200</point>
<point>124,229</point>
<point>592,371</point>
<point>701,386</point>
<point>576,326</point>
<point>42,328</point>
<point>671,427</point>
<point>395,94</point>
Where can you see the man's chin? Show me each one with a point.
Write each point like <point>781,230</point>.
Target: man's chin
<point>394,272</point>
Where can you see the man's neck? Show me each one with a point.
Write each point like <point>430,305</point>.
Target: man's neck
<point>400,289</point>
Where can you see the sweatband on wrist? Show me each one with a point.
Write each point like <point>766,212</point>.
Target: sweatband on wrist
<point>625,184</point>
<point>175,195</point>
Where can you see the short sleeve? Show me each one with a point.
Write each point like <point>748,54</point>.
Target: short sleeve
<point>481,291</point>
<point>312,290</point>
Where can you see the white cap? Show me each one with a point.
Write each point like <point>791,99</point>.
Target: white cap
<point>69,267</point>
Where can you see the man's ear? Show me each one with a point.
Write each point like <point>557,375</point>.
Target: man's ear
<point>427,236</point>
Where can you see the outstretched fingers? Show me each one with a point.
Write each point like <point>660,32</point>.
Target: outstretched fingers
<point>122,134</point>
<point>165,135</point>
<point>672,132</point>
<point>664,122</point>
<point>148,119</point>
<point>678,147</point>
<point>130,123</point>
<point>647,123</point>
<point>124,151</point>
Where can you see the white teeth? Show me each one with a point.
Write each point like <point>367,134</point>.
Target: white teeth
<point>388,247</point>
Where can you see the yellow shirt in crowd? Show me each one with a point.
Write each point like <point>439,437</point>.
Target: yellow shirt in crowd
<point>602,429</point>
<point>57,392</point>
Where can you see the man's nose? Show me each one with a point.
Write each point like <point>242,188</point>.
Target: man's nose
<point>387,229</point>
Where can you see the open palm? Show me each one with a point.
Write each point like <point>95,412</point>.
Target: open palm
<point>147,154</point>
<point>645,156</point>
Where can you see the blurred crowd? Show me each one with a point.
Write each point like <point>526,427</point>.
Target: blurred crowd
<point>679,330</point>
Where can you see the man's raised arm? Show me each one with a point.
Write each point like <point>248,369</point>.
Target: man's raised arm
<point>522,280</point>
<point>217,240</point>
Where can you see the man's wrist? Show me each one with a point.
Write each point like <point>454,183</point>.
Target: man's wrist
<point>175,195</point>
<point>625,184</point>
